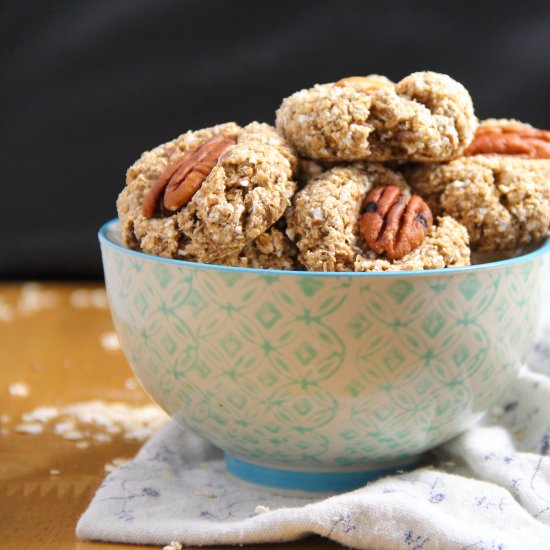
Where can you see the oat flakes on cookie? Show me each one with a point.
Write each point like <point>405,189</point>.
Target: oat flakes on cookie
<point>500,188</point>
<point>271,250</point>
<point>208,194</point>
<point>363,218</point>
<point>426,117</point>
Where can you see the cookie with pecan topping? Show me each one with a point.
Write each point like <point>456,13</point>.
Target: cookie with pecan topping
<point>207,195</point>
<point>426,116</point>
<point>326,221</point>
<point>500,191</point>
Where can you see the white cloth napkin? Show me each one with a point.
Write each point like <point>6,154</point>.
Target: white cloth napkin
<point>487,489</point>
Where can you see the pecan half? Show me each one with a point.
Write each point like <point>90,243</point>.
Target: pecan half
<point>392,224</point>
<point>513,138</point>
<point>369,83</point>
<point>177,185</point>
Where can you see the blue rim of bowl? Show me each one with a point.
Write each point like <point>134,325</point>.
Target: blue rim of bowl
<point>311,482</point>
<point>542,249</point>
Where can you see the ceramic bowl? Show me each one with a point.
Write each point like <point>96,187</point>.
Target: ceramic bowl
<point>322,381</point>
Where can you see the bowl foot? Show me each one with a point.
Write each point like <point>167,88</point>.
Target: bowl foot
<point>310,483</point>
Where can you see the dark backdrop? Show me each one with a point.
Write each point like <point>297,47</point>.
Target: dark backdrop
<point>87,86</point>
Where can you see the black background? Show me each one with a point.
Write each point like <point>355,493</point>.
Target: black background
<point>87,86</point>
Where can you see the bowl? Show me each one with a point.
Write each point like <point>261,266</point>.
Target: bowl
<point>319,382</point>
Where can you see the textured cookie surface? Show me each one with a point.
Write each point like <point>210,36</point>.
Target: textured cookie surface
<point>447,245</point>
<point>425,117</point>
<point>504,201</point>
<point>323,221</point>
<point>244,194</point>
<point>271,250</point>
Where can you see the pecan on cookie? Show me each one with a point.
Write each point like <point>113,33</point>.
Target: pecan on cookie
<point>325,223</point>
<point>500,191</point>
<point>208,194</point>
<point>392,223</point>
<point>176,187</point>
<point>510,137</point>
<point>425,117</point>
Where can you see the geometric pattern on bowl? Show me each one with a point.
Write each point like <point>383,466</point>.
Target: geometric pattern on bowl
<point>318,371</point>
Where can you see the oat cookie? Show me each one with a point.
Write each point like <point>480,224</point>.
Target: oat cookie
<point>324,223</point>
<point>271,250</point>
<point>426,116</point>
<point>206,195</point>
<point>503,197</point>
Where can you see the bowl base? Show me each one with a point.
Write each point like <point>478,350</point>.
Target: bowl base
<point>298,483</point>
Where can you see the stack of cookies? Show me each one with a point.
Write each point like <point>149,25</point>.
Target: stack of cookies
<point>358,175</point>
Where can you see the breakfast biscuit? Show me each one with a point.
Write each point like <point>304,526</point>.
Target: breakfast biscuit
<point>500,191</point>
<point>426,116</point>
<point>206,195</point>
<point>325,223</point>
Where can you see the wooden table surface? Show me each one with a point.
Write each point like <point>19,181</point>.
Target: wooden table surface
<point>58,349</point>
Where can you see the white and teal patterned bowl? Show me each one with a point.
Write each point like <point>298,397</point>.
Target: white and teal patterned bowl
<point>319,382</point>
